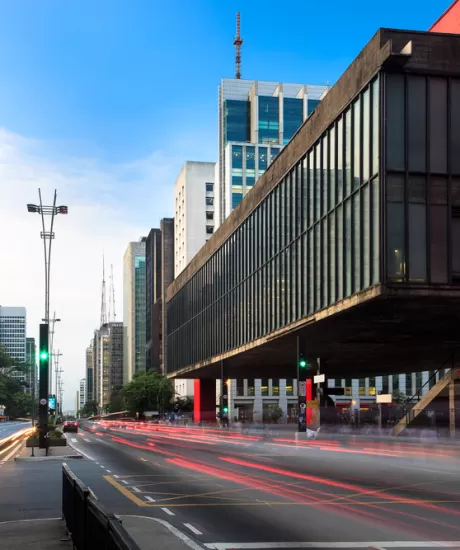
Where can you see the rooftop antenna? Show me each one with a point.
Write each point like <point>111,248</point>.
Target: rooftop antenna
<point>103,303</point>
<point>238,42</point>
<point>112,296</point>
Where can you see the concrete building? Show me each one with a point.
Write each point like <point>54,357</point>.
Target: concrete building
<point>77,405</point>
<point>32,369</point>
<point>134,300</point>
<point>108,364</point>
<point>195,213</point>
<point>82,396</point>
<point>89,373</point>
<point>256,119</point>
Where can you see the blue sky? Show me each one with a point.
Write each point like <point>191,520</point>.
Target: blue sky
<point>104,100</point>
<point>120,78</point>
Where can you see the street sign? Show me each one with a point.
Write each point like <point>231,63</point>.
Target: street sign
<point>312,404</point>
<point>319,378</point>
<point>43,401</point>
<point>302,406</point>
<point>384,398</point>
<point>302,389</point>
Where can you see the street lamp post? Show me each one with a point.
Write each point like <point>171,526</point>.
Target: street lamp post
<point>47,236</point>
<point>52,321</point>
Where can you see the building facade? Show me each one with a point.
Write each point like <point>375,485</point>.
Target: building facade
<point>89,373</point>
<point>257,113</point>
<point>32,369</point>
<point>13,338</point>
<point>153,297</point>
<point>82,394</point>
<point>134,306</point>
<point>195,215</point>
<point>108,366</point>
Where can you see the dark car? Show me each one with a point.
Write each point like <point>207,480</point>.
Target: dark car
<point>70,426</point>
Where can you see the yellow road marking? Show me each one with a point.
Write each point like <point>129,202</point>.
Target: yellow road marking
<point>124,491</point>
<point>13,452</point>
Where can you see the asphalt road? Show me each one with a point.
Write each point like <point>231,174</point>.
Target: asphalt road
<point>9,428</point>
<point>243,492</point>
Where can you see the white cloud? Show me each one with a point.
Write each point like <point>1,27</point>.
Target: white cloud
<point>109,205</point>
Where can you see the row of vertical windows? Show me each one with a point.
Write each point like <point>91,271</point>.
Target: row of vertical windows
<point>314,240</point>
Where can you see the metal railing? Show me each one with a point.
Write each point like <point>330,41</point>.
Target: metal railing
<point>88,523</point>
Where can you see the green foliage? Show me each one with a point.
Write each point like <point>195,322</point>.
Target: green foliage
<point>117,401</point>
<point>12,396</point>
<point>275,413</point>
<point>183,404</point>
<point>399,397</point>
<point>148,391</point>
<point>89,409</point>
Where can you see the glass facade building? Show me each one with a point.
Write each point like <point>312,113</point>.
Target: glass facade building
<point>367,194</point>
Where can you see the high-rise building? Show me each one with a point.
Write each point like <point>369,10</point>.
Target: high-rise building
<point>13,337</point>
<point>89,373</point>
<point>159,260</point>
<point>31,360</point>
<point>256,119</point>
<point>108,363</point>
<point>82,394</point>
<point>195,214</point>
<point>134,299</point>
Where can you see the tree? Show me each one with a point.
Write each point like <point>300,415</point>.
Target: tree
<point>183,404</point>
<point>89,409</point>
<point>117,401</point>
<point>275,413</point>
<point>399,397</point>
<point>148,391</point>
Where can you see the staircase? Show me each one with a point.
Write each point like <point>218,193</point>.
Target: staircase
<point>424,401</point>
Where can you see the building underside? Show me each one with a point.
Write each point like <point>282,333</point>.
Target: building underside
<point>383,331</point>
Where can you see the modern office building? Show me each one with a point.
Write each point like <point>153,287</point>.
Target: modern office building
<point>159,259</point>
<point>82,395</point>
<point>134,300</point>
<point>108,363</point>
<point>89,372</point>
<point>195,214</point>
<point>256,119</point>
<point>13,338</point>
<point>32,369</point>
<point>366,197</point>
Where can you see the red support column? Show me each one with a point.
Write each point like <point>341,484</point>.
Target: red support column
<point>204,400</point>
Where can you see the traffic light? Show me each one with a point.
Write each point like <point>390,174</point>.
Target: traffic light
<point>302,363</point>
<point>44,355</point>
<point>44,352</point>
<point>225,409</point>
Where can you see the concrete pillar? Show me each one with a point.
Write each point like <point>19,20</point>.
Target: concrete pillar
<point>283,401</point>
<point>452,408</point>
<point>204,400</point>
<point>258,402</point>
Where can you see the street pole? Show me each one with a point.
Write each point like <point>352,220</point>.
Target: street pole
<point>318,394</point>
<point>301,391</point>
<point>47,236</point>
<point>33,411</point>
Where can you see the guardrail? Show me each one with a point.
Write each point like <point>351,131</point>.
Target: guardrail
<point>89,524</point>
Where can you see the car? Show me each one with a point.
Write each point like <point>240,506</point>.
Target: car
<point>70,426</point>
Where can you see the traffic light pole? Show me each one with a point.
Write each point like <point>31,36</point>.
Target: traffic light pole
<point>43,385</point>
<point>301,389</point>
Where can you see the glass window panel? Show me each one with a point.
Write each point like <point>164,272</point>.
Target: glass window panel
<point>237,156</point>
<point>264,386</point>
<point>456,247</point>
<point>311,190</point>
<point>416,112</point>
<point>356,243</point>
<point>375,233</point>
<point>325,173</point>
<point>437,197</point>
<point>366,231</point>
<point>289,386</point>
<point>275,387</point>
<point>375,126</point>
<point>268,119</point>
<point>340,167</point>
<point>332,183</point>
<point>304,253</point>
<point>304,204</point>
<point>311,271</point>
<point>340,249</point>
<point>356,144</point>
<point>292,117</point>
<point>317,281</point>
<point>348,149</point>
<point>317,182</point>
<point>251,387</point>
<point>324,266</point>
<point>455,125</point>
<point>263,159</point>
<point>366,134</point>
<point>438,125</point>
<point>348,249</point>
<point>395,247</point>
<point>332,254</point>
<point>236,120</point>
<point>417,228</point>
<point>395,134</point>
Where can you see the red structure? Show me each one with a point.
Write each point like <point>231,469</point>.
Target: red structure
<point>204,400</point>
<point>449,21</point>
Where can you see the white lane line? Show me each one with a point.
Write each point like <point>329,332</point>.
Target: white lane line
<point>97,463</point>
<point>168,511</point>
<point>136,489</point>
<point>125,482</point>
<point>193,529</point>
<point>110,471</point>
<point>116,477</point>
<point>87,440</point>
<point>100,466</point>
<point>382,544</point>
<point>74,440</point>
<point>150,499</point>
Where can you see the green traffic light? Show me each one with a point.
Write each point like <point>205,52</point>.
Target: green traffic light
<point>225,410</point>
<point>302,363</point>
<point>43,355</point>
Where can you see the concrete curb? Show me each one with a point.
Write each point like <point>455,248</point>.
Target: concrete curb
<point>43,458</point>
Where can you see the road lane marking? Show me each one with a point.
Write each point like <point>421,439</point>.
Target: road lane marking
<point>193,529</point>
<point>168,511</point>
<point>87,440</point>
<point>100,466</point>
<point>110,471</point>
<point>150,499</point>
<point>382,544</point>
<point>136,489</point>
<point>123,481</point>
<point>124,491</point>
<point>116,477</point>
<point>74,440</point>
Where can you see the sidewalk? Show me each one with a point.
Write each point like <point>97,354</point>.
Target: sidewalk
<point>36,534</point>
<point>54,453</point>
